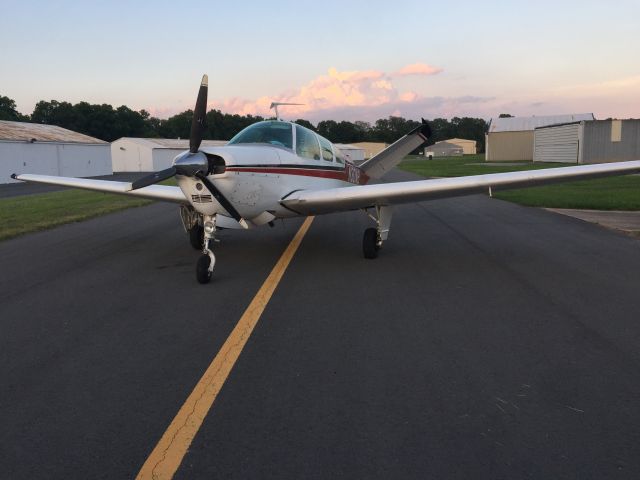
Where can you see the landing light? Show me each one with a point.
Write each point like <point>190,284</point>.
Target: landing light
<point>209,227</point>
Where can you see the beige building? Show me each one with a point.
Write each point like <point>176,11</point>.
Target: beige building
<point>443,149</point>
<point>370,148</point>
<point>512,139</point>
<point>468,146</point>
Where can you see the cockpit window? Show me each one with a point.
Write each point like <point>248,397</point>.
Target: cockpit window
<point>307,144</point>
<point>271,132</point>
<point>339,156</point>
<point>325,145</point>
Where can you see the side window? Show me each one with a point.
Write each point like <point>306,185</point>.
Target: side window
<point>306,143</point>
<point>325,145</point>
<point>339,156</point>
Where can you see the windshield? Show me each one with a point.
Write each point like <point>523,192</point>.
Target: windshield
<point>271,132</point>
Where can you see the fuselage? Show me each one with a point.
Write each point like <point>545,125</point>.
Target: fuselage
<point>266,162</point>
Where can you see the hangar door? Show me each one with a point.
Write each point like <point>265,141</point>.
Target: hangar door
<point>556,143</point>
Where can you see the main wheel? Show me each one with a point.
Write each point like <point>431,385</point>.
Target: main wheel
<point>196,236</point>
<point>202,269</point>
<point>370,243</point>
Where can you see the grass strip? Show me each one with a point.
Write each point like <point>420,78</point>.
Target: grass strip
<point>614,193</point>
<point>30,213</point>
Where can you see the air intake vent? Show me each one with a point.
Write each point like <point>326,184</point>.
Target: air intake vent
<point>201,198</point>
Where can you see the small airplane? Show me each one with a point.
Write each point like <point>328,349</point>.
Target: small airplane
<point>277,169</point>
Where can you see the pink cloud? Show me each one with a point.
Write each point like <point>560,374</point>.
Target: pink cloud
<point>333,91</point>
<point>417,69</point>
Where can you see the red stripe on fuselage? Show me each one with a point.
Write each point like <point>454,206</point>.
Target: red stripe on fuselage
<point>306,172</point>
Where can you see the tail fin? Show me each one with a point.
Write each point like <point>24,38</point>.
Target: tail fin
<point>391,156</point>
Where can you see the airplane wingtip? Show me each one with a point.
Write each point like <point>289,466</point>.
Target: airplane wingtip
<point>426,129</point>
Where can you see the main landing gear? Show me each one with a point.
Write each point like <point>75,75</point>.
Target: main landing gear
<point>196,236</point>
<point>373,237</point>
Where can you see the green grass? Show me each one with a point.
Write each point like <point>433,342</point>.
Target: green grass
<point>30,213</point>
<point>615,193</point>
<point>460,166</point>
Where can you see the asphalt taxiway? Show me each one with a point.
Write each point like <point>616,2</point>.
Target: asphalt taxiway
<point>488,340</point>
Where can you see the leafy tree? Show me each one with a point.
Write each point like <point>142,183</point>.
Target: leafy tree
<point>178,126</point>
<point>306,124</point>
<point>505,115</point>
<point>8,110</point>
<point>108,123</point>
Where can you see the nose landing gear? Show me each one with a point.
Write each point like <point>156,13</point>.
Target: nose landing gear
<point>204,267</point>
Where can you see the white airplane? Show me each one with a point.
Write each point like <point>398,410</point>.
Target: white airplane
<point>276,169</point>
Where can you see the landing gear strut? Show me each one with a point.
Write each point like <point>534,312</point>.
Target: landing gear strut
<point>373,237</point>
<point>204,267</point>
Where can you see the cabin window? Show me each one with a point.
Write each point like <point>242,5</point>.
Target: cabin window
<point>325,146</point>
<point>339,156</point>
<point>307,144</point>
<point>271,132</point>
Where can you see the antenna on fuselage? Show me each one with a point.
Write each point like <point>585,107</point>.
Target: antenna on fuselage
<point>276,104</point>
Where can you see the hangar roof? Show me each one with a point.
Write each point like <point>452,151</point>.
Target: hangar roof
<point>171,143</point>
<point>459,140</point>
<point>445,144</point>
<point>522,124</point>
<point>27,132</point>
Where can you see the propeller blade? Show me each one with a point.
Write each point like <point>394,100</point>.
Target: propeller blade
<point>226,204</point>
<point>199,122</point>
<point>153,178</point>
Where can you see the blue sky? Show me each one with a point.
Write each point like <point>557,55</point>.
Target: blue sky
<point>342,59</point>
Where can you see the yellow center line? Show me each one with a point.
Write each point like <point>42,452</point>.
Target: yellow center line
<point>172,447</point>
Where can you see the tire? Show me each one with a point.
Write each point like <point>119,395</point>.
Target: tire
<point>196,237</point>
<point>370,243</point>
<point>202,269</point>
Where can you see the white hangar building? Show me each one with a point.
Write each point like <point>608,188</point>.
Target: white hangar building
<point>594,141</point>
<point>130,154</point>
<point>353,153</point>
<point>50,150</point>
<point>444,148</point>
<point>511,139</point>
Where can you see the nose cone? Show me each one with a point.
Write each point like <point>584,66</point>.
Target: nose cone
<point>188,163</point>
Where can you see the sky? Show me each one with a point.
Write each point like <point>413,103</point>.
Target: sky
<point>344,60</point>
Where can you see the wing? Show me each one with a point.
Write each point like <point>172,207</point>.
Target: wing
<point>165,193</point>
<point>312,202</point>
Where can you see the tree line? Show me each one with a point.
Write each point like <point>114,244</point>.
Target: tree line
<point>108,123</point>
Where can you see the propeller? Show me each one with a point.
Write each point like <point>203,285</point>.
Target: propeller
<point>194,163</point>
<point>199,122</point>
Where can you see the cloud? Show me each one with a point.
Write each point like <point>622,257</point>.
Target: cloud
<point>417,69</point>
<point>372,94</point>
<point>337,91</point>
